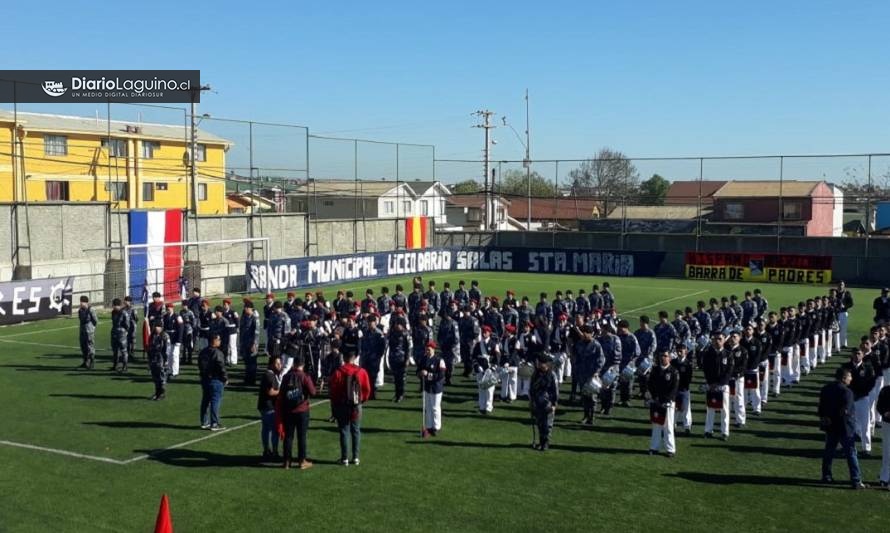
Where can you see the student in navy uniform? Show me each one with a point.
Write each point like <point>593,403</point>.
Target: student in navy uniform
<point>485,357</point>
<point>589,361</point>
<point>543,400</point>
<point>863,379</point>
<point>188,331</point>
<point>432,298</point>
<point>749,309</point>
<point>475,293</point>
<point>739,361</point>
<point>753,348</point>
<point>432,377</point>
<point>608,298</point>
<point>88,320</point>
<point>400,299</point>
<point>384,300</point>
<point>268,310</point>
<point>469,329</point>
<point>582,304</point>
<point>883,408</point>
<point>543,309</point>
<point>663,385</point>
<point>630,352</point>
<point>717,366</point>
<point>120,327</point>
<point>647,342</point>
<point>173,327</point>
<point>249,341</point>
<point>448,339</point>
<point>612,352</point>
<point>220,326</point>
<point>718,319</point>
<point>373,347</point>
<point>761,303</point>
<point>684,368</point>
<point>665,334</point>
<point>838,421</point>
<point>595,299</point>
<point>844,303</point>
<point>398,358</point>
<point>134,321</point>
<point>277,328</point>
<point>158,351</point>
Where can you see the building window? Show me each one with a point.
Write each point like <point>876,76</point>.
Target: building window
<point>389,207</point>
<point>117,191</point>
<point>57,191</point>
<point>55,145</point>
<point>474,215</point>
<point>441,206</point>
<point>148,149</point>
<point>202,192</point>
<point>734,211</point>
<point>424,207</point>
<point>161,186</point>
<point>115,147</point>
<point>501,215</point>
<point>201,153</point>
<point>406,207</point>
<point>328,203</point>
<point>791,210</point>
<point>148,192</point>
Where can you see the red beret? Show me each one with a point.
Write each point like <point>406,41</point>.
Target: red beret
<point>270,295</point>
<point>227,301</point>
<point>511,293</point>
<point>170,306</point>
<point>357,304</point>
<point>308,295</point>
<point>304,324</point>
<point>432,344</point>
<point>563,316</point>
<point>205,302</point>
<point>291,294</point>
<point>511,328</point>
<point>486,329</point>
<point>247,301</point>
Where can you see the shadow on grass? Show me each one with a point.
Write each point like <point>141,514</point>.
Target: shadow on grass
<point>98,396</point>
<point>141,425</point>
<point>433,441</point>
<point>747,479</point>
<point>197,459</point>
<point>802,453</point>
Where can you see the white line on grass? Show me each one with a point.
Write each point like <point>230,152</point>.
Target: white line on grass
<point>205,437</point>
<point>138,457</point>
<point>38,331</point>
<point>665,301</point>
<point>62,452</point>
<point>48,345</point>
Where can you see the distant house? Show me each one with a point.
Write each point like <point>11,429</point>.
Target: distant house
<point>241,202</point>
<point>565,212</point>
<point>467,213</point>
<point>327,199</point>
<point>648,219</point>
<point>688,192</point>
<point>762,207</point>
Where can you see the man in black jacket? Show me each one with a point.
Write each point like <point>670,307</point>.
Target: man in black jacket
<point>664,380</point>
<point>683,403</point>
<point>844,303</point>
<point>158,353</point>
<point>883,407</point>
<point>212,368</point>
<point>717,365</point>
<point>837,419</point>
<point>739,361</point>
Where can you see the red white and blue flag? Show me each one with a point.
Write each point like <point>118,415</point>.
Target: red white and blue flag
<point>156,268</point>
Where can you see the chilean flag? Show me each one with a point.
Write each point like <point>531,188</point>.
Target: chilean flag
<point>155,268</point>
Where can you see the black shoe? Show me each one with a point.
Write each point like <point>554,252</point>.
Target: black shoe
<point>687,432</point>
<point>724,437</point>
<point>738,425</point>
<point>709,435</point>
<point>865,455</point>
<point>154,398</point>
<point>859,486</point>
<point>624,403</point>
<point>82,365</point>
<point>653,452</point>
<point>544,446</point>
<point>670,455</point>
<point>827,479</point>
<point>125,369</point>
<point>884,485</point>
<point>113,369</point>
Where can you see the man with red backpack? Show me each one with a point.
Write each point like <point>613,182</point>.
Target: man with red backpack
<point>350,388</point>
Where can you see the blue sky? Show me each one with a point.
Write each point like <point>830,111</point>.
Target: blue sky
<point>647,78</point>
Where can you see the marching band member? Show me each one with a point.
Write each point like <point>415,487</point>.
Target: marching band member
<point>544,399</point>
<point>739,360</point>
<point>630,352</point>
<point>249,339</point>
<point>612,352</point>
<point>863,381</point>
<point>753,349</point>
<point>448,338</point>
<point>845,303</point>
<point>684,398</point>
<point>399,349</point>
<point>763,373</point>
<point>231,317</point>
<point>528,346</point>
<point>432,375</point>
<point>509,363</point>
<point>663,385</point>
<point>485,356</point>
<point>558,347</point>
<point>717,365</point>
<point>469,330</point>
<point>589,361</point>
<point>665,335</point>
<point>173,327</point>
<point>373,348</point>
<point>646,341</point>
<point>776,353</point>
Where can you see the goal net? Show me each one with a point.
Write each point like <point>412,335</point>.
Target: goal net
<point>175,268</point>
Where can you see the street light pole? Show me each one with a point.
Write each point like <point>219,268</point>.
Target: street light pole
<point>528,167</point>
<point>193,148</point>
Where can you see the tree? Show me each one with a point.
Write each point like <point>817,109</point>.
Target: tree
<point>609,175</point>
<point>466,187</point>
<point>515,183</point>
<point>654,190</point>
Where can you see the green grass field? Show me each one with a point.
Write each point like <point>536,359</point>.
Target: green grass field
<point>477,474</point>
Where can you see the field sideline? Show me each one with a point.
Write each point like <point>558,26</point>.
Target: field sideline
<point>86,451</point>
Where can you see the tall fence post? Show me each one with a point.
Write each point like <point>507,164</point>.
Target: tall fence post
<point>868,192</point>
<point>781,214</point>
<point>701,177</point>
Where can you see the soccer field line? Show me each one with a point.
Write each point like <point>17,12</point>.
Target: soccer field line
<point>36,331</point>
<point>137,458</point>
<point>546,282</point>
<point>48,345</point>
<point>649,306</point>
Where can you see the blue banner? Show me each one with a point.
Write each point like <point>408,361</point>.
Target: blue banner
<point>284,274</point>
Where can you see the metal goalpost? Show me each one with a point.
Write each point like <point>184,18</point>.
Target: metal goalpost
<point>267,253</point>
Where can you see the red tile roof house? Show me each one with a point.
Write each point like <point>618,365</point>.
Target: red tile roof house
<point>687,192</point>
<point>806,208</point>
<point>565,211</point>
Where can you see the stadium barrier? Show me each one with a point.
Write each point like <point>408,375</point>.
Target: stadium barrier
<point>302,272</point>
<point>759,267</point>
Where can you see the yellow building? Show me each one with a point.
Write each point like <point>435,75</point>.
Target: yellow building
<point>141,166</point>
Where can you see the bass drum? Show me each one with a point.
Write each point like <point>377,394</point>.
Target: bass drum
<point>609,377</point>
<point>593,386</point>
<point>526,370</point>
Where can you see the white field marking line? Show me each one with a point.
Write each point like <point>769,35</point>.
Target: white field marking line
<point>205,437</point>
<point>543,282</point>
<point>67,347</point>
<point>62,452</point>
<point>138,457</point>
<point>36,331</point>
<point>666,301</point>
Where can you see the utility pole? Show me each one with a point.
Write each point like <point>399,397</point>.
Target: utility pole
<point>527,163</point>
<point>193,147</point>
<point>486,164</point>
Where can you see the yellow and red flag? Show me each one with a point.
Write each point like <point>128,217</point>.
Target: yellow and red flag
<point>416,232</point>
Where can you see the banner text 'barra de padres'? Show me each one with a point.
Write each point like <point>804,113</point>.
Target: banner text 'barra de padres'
<point>759,267</point>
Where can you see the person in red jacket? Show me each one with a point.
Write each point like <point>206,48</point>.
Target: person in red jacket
<point>346,402</point>
<point>292,412</point>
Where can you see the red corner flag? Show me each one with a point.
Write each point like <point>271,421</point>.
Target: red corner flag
<point>163,524</point>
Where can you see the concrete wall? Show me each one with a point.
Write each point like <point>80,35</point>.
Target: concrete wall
<point>856,260</point>
<point>72,240</point>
